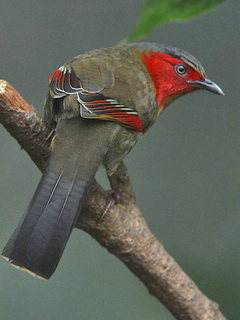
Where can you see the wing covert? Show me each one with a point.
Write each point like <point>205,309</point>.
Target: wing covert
<point>93,105</point>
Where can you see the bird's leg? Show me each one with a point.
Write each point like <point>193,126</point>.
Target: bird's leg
<point>109,204</point>
<point>50,135</point>
<point>122,190</point>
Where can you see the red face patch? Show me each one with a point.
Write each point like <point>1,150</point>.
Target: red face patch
<point>170,76</point>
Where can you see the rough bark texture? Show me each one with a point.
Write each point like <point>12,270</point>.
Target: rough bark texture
<point>120,227</point>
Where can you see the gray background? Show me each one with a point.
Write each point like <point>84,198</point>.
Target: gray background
<point>185,169</point>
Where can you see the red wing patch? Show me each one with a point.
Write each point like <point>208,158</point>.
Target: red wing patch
<point>93,105</point>
<point>98,106</point>
<point>64,81</point>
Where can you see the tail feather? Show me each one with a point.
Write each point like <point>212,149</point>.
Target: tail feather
<point>38,243</point>
<point>41,236</point>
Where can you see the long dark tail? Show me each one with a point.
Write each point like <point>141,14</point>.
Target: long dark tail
<point>38,242</point>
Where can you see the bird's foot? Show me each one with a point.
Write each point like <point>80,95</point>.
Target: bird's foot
<point>51,134</point>
<point>110,204</point>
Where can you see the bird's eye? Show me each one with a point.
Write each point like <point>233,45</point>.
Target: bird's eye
<point>181,69</point>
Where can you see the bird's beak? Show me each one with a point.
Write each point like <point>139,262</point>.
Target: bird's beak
<point>207,84</point>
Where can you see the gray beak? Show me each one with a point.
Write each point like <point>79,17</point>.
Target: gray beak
<point>208,85</point>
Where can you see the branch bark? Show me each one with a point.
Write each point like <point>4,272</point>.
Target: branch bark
<point>122,230</point>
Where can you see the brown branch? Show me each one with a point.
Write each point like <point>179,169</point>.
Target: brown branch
<point>24,124</point>
<point>122,230</point>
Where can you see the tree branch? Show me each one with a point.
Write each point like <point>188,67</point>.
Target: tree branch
<point>121,229</point>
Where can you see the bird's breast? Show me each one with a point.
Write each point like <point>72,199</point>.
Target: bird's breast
<point>121,145</point>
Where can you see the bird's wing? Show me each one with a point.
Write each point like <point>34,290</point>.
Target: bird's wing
<point>93,104</point>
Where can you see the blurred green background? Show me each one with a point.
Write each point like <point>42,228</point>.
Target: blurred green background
<point>186,169</point>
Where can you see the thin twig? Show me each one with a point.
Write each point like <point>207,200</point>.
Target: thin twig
<point>123,230</point>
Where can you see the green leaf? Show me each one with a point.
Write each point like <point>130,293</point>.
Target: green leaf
<point>157,12</point>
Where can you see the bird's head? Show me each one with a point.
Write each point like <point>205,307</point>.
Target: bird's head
<point>175,73</point>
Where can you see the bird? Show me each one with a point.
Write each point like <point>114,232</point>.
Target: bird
<point>98,104</point>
